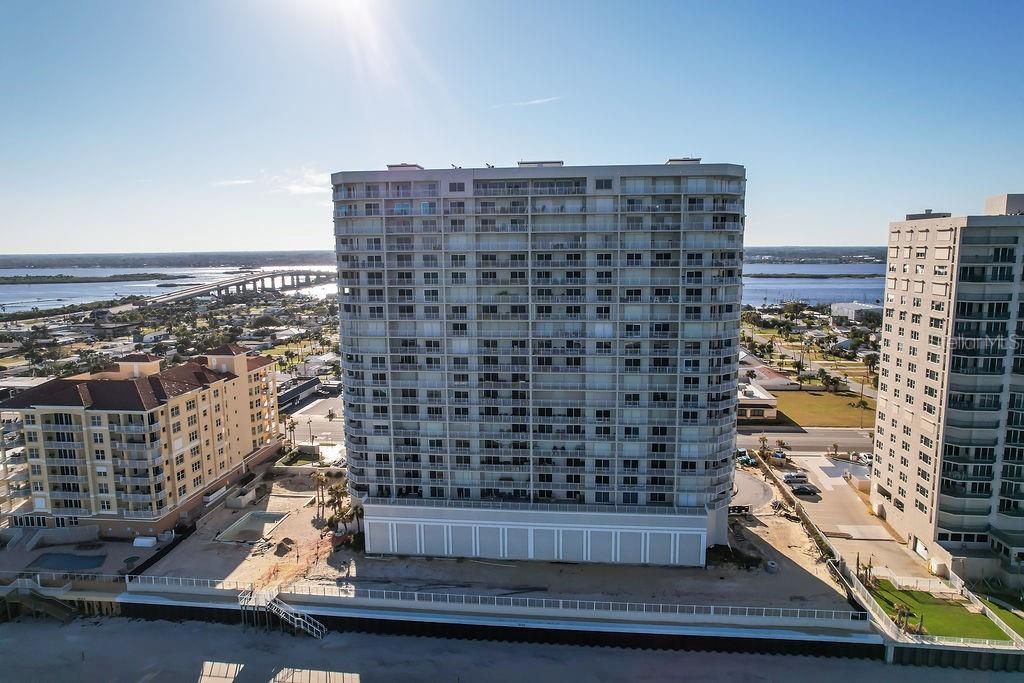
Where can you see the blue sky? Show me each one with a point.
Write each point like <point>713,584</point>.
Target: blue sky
<point>196,126</point>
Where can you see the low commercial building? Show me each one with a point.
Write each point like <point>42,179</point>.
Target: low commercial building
<point>855,312</point>
<point>296,390</point>
<point>133,449</point>
<point>755,404</point>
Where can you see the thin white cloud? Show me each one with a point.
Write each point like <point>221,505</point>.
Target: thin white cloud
<point>307,181</point>
<point>232,183</point>
<point>531,103</point>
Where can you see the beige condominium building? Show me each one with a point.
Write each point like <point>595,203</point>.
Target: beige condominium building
<point>949,458</point>
<point>135,449</point>
<point>540,361</point>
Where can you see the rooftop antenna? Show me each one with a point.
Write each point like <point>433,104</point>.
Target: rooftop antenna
<point>488,165</point>
<point>454,166</point>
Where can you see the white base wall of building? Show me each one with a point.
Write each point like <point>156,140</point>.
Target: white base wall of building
<point>606,538</point>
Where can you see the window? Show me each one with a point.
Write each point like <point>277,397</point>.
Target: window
<point>604,184</point>
<point>456,187</point>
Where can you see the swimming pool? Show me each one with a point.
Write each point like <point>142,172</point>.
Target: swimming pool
<point>67,561</point>
<point>252,526</point>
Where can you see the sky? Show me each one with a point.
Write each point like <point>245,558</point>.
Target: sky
<point>214,125</point>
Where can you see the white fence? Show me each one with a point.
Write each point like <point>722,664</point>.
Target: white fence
<point>421,599</point>
<point>883,621</point>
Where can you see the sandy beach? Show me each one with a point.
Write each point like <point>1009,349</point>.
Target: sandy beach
<point>133,651</point>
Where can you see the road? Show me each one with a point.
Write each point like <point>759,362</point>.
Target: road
<point>807,439</point>
<point>312,417</point>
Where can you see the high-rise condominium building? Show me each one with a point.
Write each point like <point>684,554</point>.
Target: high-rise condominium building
<point>134,449</point>
<point>540,362</point>
<point>949,458</point>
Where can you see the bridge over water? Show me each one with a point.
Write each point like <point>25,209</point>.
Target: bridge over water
<point>292,278</point>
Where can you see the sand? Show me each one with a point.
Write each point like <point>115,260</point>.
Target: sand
<point>130,651</point>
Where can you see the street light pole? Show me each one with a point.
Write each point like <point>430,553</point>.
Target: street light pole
<point>309,423</point>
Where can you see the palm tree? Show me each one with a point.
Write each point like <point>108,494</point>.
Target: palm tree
<point>798,365</point>
<point>835,449</point>
<point>320,480</point>
<point>336,497</point>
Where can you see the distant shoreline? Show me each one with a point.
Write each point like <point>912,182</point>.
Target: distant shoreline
<point>815,276</point>
<point>80,279</point>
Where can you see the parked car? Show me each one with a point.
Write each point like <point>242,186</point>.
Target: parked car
<point>794,478</point>
<point>803,490</point>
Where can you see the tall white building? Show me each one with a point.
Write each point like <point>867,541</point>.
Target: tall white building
<point>540,362</point>
<point>949,461</point>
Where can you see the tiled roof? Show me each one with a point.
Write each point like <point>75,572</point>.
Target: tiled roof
<point>98,394</point>
<point>256,362</point>
<point>141,393</point>
<point>140,358</point>
<point>228,350</point>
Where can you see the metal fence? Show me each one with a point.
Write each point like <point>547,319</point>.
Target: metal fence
<point>597,606</point>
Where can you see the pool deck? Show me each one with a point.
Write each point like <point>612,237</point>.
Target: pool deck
<point>18,559</point>
<point>251,527</point>
<point>203,555</point>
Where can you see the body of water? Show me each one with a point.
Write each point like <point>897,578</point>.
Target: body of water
<point>756,291</point>
<point>768,290</point>
<point>26,297</point>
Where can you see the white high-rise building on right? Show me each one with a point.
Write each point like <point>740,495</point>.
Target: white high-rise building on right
<point>949,461</point>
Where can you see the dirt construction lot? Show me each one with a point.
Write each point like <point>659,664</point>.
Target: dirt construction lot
<point>290,546</point>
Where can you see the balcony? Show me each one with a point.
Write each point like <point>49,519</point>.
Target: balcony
<point>67,479</point>
<point>50,444</point>
<point>963,492</point>
<point>134,428</point>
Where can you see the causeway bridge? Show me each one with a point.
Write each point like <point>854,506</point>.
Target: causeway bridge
<point>291,278</point>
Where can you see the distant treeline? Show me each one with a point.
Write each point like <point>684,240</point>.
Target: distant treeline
<point>67,310</point>
<point>62,279</point>
<point>814,254</point>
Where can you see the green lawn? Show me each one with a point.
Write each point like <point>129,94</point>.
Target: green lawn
<point>1010,618</point>
<point>824,409</point>
<point>300,459</point>
<point>941,617</point>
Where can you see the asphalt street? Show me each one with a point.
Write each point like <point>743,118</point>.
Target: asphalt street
<point>807,439</point>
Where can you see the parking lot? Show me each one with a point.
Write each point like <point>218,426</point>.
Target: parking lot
<point>843,515</point>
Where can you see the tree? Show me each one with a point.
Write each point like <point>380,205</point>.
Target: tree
<point>320,480</point>
<point>751,375</point>
<point>336,498</point>
<point>798,365</point>
<point>871,361</point>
